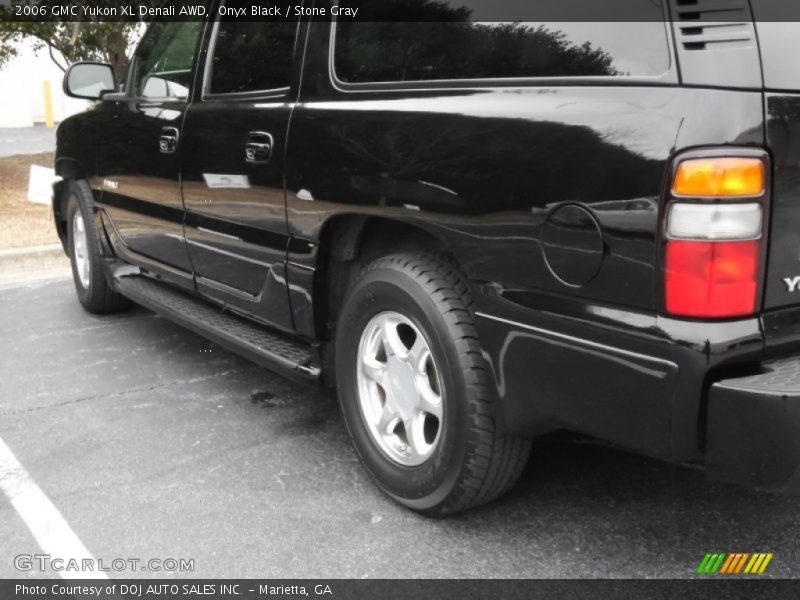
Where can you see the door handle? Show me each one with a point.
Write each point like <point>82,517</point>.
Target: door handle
<point>168,141</point>
<point>258,148</point>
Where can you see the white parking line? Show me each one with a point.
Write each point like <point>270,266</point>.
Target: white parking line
<point>51,531</point>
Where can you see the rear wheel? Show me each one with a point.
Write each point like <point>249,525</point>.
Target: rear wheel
<point>414,388</point>
<point>91,287</point>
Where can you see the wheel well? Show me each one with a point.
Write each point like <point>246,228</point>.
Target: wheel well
<point>60,211</point>
<point>69,170</point>
<point>347,245</point>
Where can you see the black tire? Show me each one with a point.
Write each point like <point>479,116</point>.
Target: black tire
<point>96,296</point>
<point>473,462</point>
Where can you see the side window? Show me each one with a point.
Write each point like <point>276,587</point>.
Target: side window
<point>163,62</point>
<point>251,56</point>
<point>460,39</point>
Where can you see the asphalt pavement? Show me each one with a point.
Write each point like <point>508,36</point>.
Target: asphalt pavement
<point>153,443</point>
<point>26,140</point>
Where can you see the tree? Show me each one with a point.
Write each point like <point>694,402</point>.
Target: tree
<point>68,42</point>
<point>442,42</point>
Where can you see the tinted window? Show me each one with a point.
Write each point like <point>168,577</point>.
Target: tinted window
<point>458,40</point>
<point>249,57</point>
<point>163,64</point>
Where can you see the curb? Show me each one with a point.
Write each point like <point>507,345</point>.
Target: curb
<point>35,258</point>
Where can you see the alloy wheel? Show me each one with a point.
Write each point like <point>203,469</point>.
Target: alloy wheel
<point>400,392</point>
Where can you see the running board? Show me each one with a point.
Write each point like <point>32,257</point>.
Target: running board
<point>268,348</point>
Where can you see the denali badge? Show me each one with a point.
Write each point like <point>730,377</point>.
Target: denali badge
<point>792,283</point>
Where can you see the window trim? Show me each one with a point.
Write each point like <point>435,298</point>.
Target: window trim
<point>668,78</point>
<point>130,80</point>
<point>269,93</point>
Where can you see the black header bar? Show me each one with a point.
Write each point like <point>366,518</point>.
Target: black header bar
<point>388,10</point>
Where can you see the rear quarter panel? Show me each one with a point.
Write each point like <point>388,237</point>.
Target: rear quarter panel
<point>483,169</point>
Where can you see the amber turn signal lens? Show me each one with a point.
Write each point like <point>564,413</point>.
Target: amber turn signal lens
<point>731,176</point>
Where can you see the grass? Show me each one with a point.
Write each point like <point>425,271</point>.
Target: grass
<point>23,223</point>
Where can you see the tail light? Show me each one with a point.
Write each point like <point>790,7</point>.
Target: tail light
<point>715,177</point>
<point>714,225</point>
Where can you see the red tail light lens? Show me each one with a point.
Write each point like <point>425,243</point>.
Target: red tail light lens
<point>712,279</point>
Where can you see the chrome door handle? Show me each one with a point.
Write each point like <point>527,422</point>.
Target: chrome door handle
<point>258,148</point>
<point>168,142</point>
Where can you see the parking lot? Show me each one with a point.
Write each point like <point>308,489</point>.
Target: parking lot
<point>153,443</point>
<point>26,140</point>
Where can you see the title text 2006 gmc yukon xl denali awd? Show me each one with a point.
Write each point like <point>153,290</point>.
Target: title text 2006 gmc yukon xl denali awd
<point>478,231</point>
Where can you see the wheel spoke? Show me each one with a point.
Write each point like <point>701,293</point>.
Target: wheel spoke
<point>387,421</point>
<point>392,343</point>
<point>429,401</point>
<point>418,354</point>
<point>415,434</point>
<point>374,370</point>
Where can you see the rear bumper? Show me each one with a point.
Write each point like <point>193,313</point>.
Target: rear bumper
<point>632,378</point>
<point>754,428</point>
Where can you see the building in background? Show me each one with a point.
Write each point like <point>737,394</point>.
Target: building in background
<point>22,96</point>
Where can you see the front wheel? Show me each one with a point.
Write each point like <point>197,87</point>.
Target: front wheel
<point>415,391</point>
<point>91,287</point>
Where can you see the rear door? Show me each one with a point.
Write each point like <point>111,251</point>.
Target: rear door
<point>232,167</point>
<point>137,154</point>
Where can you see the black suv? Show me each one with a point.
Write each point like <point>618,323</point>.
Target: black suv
<point>478,231</point>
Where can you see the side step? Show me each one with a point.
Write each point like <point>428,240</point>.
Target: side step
<point>255,342</point>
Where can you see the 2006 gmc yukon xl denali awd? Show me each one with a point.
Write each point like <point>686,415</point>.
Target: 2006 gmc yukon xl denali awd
<point>477,231</point>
